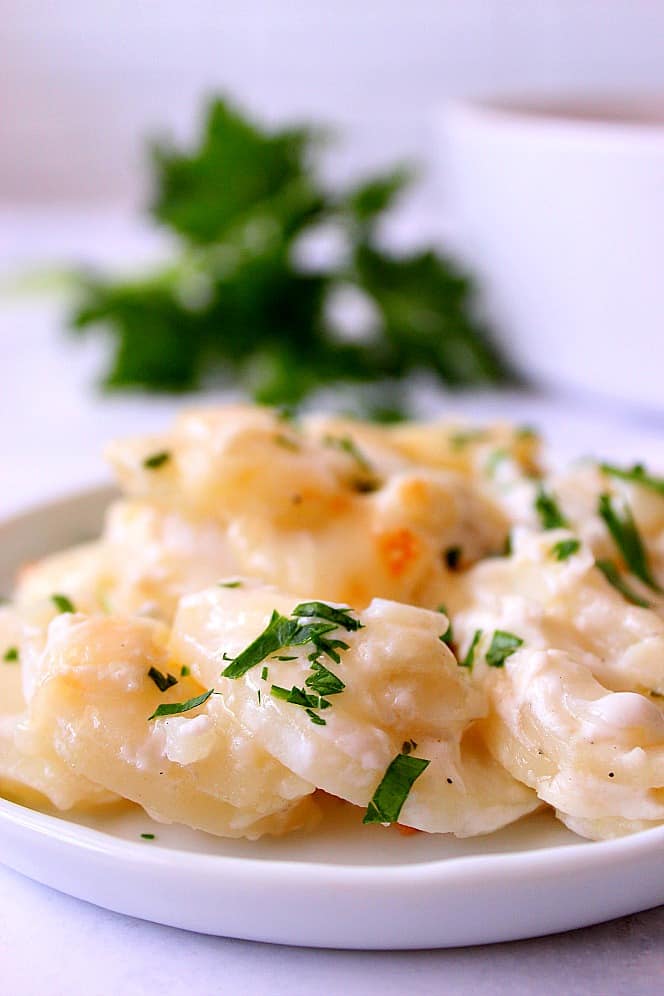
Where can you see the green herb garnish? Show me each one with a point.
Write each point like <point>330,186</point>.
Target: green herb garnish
<point>323,681</point>
<point>175,708</point>
<point>156,460</point>
<point>564,549</point>
<point>348,446</point>
<point>299,697</point>
<point>279,632</point>
<point>614,577</point>
<point>464,437</point>
<point>503,645</point>
<point>184,671</point>
<point>626,536</point>
<point>448,636</point>
<point>10,655</point>
<point>321,610</point>
<point>390,796</point>
<point>469,659</point>
<point>62,603</point>
<point>162,681</point>
<point>286,443</point>
<point>147,836</point>
<point>549,513</point>
<point>229,584</point>
<point>264,674</point>
<point>636,474</point>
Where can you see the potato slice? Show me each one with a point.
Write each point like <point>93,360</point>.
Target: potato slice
<point>200,768</point>
<point>401,686</point>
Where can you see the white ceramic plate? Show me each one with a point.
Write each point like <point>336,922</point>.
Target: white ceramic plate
<point>343,886</point>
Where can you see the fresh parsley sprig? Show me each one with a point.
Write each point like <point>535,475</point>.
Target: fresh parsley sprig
<point>237,300</point>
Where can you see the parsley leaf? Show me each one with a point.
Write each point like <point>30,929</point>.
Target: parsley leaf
<point>236,299</point>
<point>636,474</point>
<point>175,708</point>
<point>10,655</point>
<point>614,577</point>
<point>63,603</point>
<point>321,610</point>
<point>565,548</point>
<point>323,681</point>
<point>469,659</point>
<point>156,460</point>
<point>549,513</point>
<point>279,632</point>
<point>162,681</point>
<point>298,696</point>
<point>503,645</point>
<point>626,536</point>
<point>392,792</point>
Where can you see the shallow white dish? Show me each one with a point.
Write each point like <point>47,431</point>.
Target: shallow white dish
<point>344,886</point>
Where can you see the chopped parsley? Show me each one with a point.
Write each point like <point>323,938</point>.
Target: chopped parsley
<point>300,697</point>
<point>503,645</point>
<point>392,792</point>
<point>147,836</point>
<point>279,632</point>
<point>321,610</point>
<point>10,654</point>
<point>636,474</point>
<point>174,708</point>
<point>284,632</point>
<point>459,440</point>
<point>564,549</point>
<point>62,603</point>
<point>448,636</point>
<point>323,681</point>
<point>162,681</point>
<point>469,659</point>
<point>184,671</point>
<point>548,510</point>
<point>613,576</point>
<point>626,536</point>
<point>156,460</point>
<point>453,557</point>
<point>294,631</point>
<point>286,442</point>
<point>229,584</point>
<point>348,446</point>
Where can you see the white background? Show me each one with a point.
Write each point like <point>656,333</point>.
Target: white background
<point>82,82</point>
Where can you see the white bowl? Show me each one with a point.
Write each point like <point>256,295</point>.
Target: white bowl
<point>559,210</point>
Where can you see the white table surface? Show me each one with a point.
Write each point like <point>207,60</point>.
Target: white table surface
<point>52,427</point>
